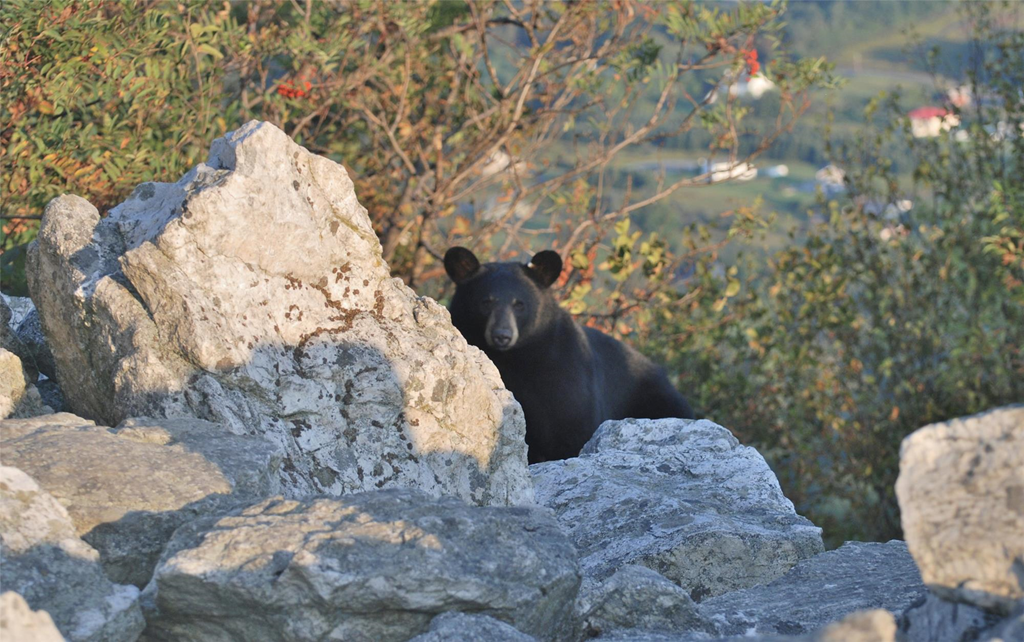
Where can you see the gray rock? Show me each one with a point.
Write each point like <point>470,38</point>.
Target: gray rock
<point>55,571</point>
<point>1011,629</point>
<point>368,566</point>
<point>18,398</point>
<point>862,626</point>
<point>857,576</point>
<point>933,618</point>
<point>681,497</point>
<point>128,490</point>
<point>13,428</point>
<point>176,305</point>
<point>638,598</point>
<point>22,334</point>
<point>50,392</point>
<point>5,321</point>
<point>34,353</point>
<point>961,496</point>
<point>463,627</point>
<point>18,622</point>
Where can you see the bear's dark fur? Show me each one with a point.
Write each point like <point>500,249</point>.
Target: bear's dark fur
<point>567,378</point>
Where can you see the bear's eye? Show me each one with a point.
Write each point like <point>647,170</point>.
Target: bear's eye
<point>488,304</point>
<point>519,306</point>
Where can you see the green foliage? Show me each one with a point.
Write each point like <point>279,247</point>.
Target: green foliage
<point>874,325</point>
<point>420,100</point>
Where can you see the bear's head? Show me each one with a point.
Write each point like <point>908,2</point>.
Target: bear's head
<point>502,306</point>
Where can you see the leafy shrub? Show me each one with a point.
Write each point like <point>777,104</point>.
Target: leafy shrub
<point>876,324</point>
<point>445,112</point>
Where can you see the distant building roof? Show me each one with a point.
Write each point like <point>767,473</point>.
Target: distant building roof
<point>924,113</point>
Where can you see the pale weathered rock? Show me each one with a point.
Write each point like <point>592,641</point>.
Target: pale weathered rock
<point>933,618</point>
<point>18,398</point>
<point>463,627</point>
<point>638,598</point>
<point>681,497</point>
<point>12,428</point>
<point>961,496</point>
<point>44,561</point>
<point>877,625</point>
<point>128,490</point>
<point>19,623</point>
<point>857,576</point>
<point>12,383</point>
<point>177,304</point>
<point>369,566</point>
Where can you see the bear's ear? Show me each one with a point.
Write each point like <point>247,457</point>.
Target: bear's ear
<point>460,264</point>
<point>545,267</point>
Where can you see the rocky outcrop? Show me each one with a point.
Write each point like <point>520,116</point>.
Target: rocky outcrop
<point>368,566</point>
<point>638,599</point>
<point>857,576</point>
<point>19,622</point>
<point>176,304</point>
<point>961,496</point>
<point>18,397</point>
<point>127,490</point>
<point>933,618</point>
<point>46,563</point>
<point>463,627</point>
<point>681,497</point>
<point>21,333</point>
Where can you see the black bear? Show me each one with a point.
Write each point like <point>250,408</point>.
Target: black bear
<point>567,378</point>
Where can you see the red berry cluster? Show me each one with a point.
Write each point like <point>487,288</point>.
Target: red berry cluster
<point>750,56</point>
<point>299,88</point>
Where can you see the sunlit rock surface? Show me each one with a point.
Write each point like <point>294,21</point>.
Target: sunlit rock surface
<point>252,293</point>
<point>681,497</point>
<point>19,622</point>
<point>961,496</point>
<point>368,566</point>
<point>128,489</point>
<point>44,561</point>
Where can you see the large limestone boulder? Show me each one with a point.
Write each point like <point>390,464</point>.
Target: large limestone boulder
<point>961,496</point>
<point>857,576</point>
<point>45,562</point>
<point>19,622</point>
<point>369,566</point>
<point>127,490</point>
<point>252,293</point>
<point>681,497</point>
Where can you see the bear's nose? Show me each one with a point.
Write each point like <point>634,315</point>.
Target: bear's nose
<point>501,338</point>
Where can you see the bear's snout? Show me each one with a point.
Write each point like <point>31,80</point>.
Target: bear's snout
<point>502,330</point>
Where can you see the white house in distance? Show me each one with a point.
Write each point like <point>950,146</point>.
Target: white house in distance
<point>723,171</point>
<point>754,87</point>
<point>929,122</point>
